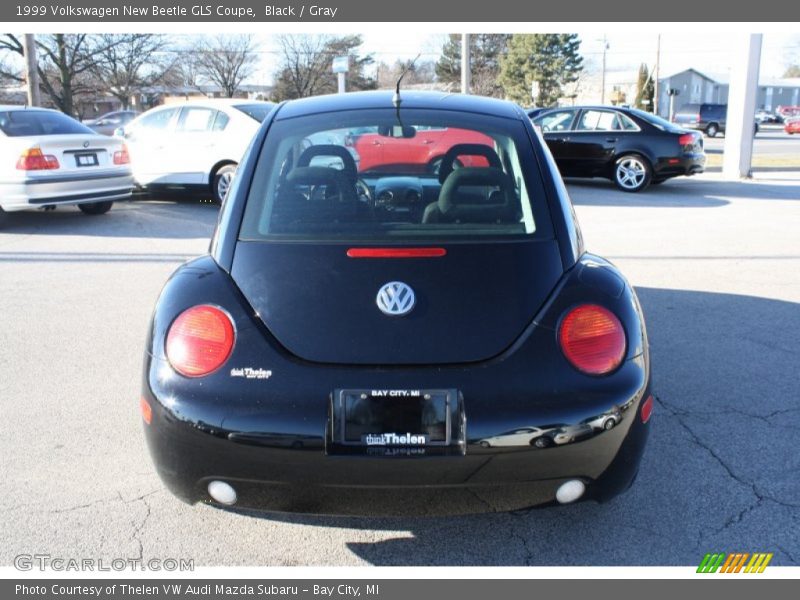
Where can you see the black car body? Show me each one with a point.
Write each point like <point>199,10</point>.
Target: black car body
<point>708,118</point>
<point>353,337</point>
<point>630,147</point>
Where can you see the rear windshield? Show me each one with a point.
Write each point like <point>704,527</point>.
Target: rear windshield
<point>21,123</point>
<point>258,112</point>
<point>380,174</point>
<point>655,121</point>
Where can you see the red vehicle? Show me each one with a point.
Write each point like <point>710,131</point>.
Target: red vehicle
<point>788,112</point>
<point>422,153</point>
<point>792,126</point>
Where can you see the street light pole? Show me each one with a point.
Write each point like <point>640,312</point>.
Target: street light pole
<point>655,83</point>
<point>603,82</point>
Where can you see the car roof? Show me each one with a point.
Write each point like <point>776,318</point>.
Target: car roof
<point>212,102</point>
<point>13,107</point>
<point>409,99</point>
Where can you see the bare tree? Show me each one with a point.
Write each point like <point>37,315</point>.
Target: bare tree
<point>227,61</point>
<point>129,62</point>
<point>419,72</point>
<point>305,65</point>
<point>65,64</point>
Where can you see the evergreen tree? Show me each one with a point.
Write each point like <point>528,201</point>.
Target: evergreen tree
<point>645,89</point>
<point>486,50</point>
<point>551,60</point>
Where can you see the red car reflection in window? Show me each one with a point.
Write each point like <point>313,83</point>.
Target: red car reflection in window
<point>421,154</point>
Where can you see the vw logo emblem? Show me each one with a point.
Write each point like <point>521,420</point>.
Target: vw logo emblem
<point>85,144</point>
<point>395,299</point>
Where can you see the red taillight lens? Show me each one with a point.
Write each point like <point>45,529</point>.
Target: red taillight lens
<point>592,339</point>
<point>146,410</point>
<point>121,157</point>
<point>33,159</point>
<point>647,409</point>
<point>200,340</point>
<point>687,139</point>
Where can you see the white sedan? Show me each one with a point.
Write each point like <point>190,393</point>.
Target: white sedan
<point>192,146</point>
<point>48,158</point>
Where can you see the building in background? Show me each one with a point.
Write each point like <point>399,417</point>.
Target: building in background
<point>694,87</point>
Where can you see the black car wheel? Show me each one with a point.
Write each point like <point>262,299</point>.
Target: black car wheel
<point>222,182</point>
<point>485,444</point>
<point>542,442</point>
<point>96,208</point>
<point>632,173</point>
<point>712,130</point>
<point>609,424</point>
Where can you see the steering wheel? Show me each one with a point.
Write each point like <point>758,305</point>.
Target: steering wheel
<point>363,193</point>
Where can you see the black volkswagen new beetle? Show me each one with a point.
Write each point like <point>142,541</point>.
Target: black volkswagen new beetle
<point>401,339</point>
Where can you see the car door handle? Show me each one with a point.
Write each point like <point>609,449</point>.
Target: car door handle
<point>611,140</point>
<point>427,141</point>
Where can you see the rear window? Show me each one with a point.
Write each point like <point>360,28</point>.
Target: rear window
<point>384,175</point>
<point>22,123</point>
<point>258,112</point>
<point>656,122</point>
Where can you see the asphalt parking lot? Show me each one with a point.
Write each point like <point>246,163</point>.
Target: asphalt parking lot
<point>716,266</point>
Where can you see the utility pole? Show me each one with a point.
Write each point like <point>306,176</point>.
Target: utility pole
<point>603,82</point>
<point>465,62</point>
<point>655,83</point>
<point>31,71</point>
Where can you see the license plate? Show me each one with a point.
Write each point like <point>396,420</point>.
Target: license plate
<point>395,418</point>
<point>86,160</point>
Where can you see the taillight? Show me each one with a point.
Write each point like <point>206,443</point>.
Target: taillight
<point>33,159</point>
<point>647,409</point>
<point>121,157</point>
<point>592,339</point>
<point>687,139</point>
<point>200,340</point>
<point>146,410</point>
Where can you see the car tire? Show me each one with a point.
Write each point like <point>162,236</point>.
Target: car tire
<point>632,173</point>
<point>221,182</point>
<point>96,208</point>
<point>485,444</point>
<point>712,130</point>
<point>609,424</point>
<point>542,442</point>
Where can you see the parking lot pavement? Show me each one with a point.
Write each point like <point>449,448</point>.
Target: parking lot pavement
<point>717,268</point>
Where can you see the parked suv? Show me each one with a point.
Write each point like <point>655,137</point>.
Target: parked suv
<point>710,118</point>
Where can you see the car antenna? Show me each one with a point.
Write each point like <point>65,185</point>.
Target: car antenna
<point>396,98</point>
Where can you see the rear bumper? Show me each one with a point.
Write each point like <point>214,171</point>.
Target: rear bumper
<point>289,472</point>
<point>68,189</point>
<point>687,164</point>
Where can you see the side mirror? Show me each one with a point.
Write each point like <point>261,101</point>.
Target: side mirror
<point>119,132</point>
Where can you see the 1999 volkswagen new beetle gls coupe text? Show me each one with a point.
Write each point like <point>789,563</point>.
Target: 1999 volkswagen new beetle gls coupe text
<point>355,335</point>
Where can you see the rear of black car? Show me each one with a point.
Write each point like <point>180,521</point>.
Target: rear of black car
<point>680,152</point>
<point>332,398</point>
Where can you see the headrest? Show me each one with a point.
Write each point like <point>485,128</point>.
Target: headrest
<point>467,150</point>
<point>350,169</point>
<point>450,199</point>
